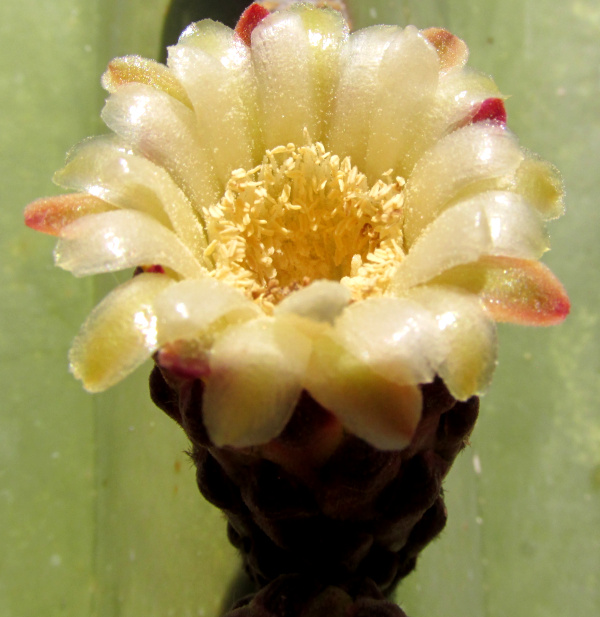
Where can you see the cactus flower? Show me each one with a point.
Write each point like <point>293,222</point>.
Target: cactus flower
<point>308,209</point>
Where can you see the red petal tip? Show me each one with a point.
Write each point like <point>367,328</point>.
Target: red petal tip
<point>249,19</point>
<point>175,358</point>
<point>490,109</point>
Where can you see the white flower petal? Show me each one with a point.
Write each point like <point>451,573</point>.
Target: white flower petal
<point>255,380</point>
<point>540,184</point>
<point>164,130</point>
<point>121,239</point>
<point>461,161</point>
<point>356,95</point>
<point>320,301</point>
<point>327,32</point>
<point>188,309</point>
<point>493,223</point>
<point>458,94</point>
<point>395,337</point>
<point>281,57</point>
<point>215,67</point>
<point>119,334</point>
<point>470,337</point>
<point>382,412</point>
<point>135,69</point>
<point>103,167</point>
<point>99,166</point>
<point>408,77</point>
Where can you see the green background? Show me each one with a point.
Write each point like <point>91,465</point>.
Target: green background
<point>98,509</point>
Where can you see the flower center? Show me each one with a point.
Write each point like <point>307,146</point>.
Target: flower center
<point>305,214</point>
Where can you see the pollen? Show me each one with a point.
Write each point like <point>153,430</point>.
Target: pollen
<point>305,214</point>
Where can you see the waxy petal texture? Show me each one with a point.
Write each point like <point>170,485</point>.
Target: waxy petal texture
<point>135,69</point>
<point>215,68</point>
<point>51,215</point>
<point>491,223</point>
<point>163,130</point>
<point>382,412</point>
<point>121,239</point>
<point>458,164</point>
<point>408,77</point>
<point>255,380</point>
<point>519,291</point>
<point>189,309</point>
<point>322,301</point>
<point>467,331</point>
<point>105,168</point>
<point>119,335</point>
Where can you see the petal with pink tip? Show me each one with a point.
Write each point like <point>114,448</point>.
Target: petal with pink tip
<point>461,162</point>
<point>51,215</point>
<point>256,374</point>
<point>122,239</point>
<point>469,336</point>
<point>249,19</point>
<point>519,291</point>
<point>459,93</point>
<point>135,69</point>
<point>452,51</point>
<point>490,110</point>
<point>496,223</point>
<point>119,334</point>
<point>165,131</point>
<point>382,412</point>
<point>104,167</point>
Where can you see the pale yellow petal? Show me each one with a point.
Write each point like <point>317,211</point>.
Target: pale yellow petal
<point>520,291</point>
<point>469,335</point>
<point>452,51</point>
<point>539,182</point>
<point>327,33</point>
<point>256,374</point>
<point>382,412</point>
<point>121,239</point>
<point>281,58</point>
<point>119,335</point>
<point>164,130</point>
<point>136,69</point>
<point>320,301</point>
<point>462,161</point>
<point>394,337</point>
<point>51,215</point>
<point>216,70</point>
<point>190,309</point>
<point>493,223</point>
<point>104,167</point>
<point>356,94</point>
<point>407,81</point>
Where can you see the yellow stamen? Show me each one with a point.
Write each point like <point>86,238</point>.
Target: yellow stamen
<point>303,214</point>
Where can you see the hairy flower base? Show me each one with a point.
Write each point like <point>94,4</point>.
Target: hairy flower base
<point>318,500</point>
